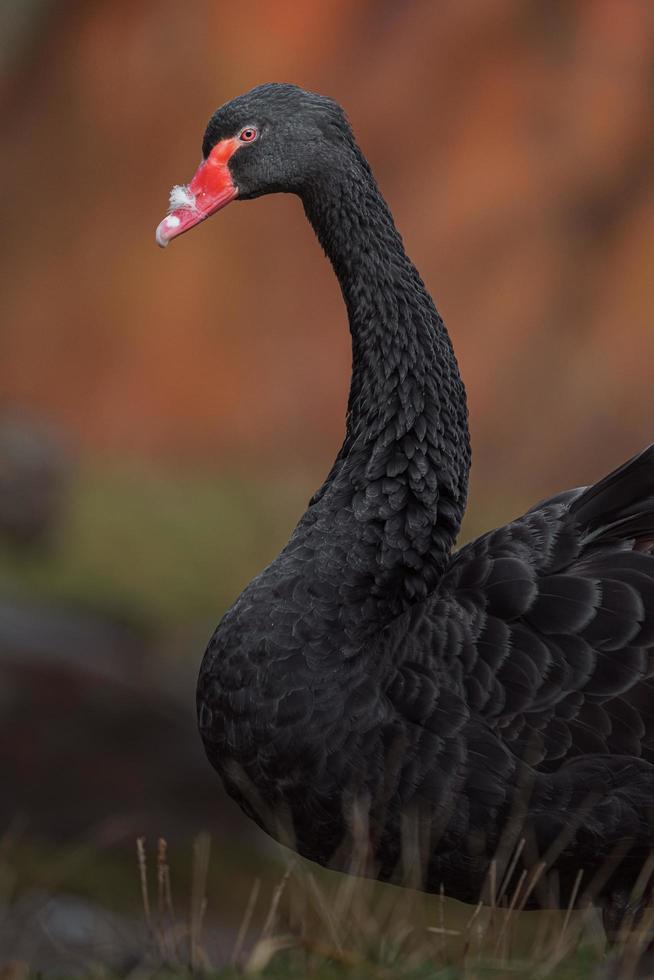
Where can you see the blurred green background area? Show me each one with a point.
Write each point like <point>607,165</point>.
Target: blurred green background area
<point>161,547</point>
<point>165,417</point>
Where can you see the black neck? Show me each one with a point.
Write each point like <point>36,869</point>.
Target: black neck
<point>398,487</point>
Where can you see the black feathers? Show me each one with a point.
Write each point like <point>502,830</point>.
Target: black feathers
<point>565,604</point>
<point>368,666</point>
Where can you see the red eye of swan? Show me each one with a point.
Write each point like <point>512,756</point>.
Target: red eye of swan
<point>248,134</point>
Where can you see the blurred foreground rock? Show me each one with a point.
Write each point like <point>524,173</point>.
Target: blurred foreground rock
<point>60,934</point>
<point>66,935</point>
<point>97,732</point>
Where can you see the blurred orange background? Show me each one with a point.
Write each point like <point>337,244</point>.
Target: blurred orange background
<point>514,142</point>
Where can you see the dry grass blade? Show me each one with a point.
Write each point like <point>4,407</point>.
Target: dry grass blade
<point>266,932</point>
<point>635,897</point>
<point>325,912</point>
<point>161,875</point>
<point>510,870</point>
<point>245,921</point>
<point>538,873</point>
<point>163,878</point>
<point>440,929</point>
<point>167,925</point>
<point>494,899</point>
<point>155,928</point>
<point>604,872</point>
<point>571,905</point>
<point>201,853</point>
<point>264,951</point>
<point>143,876</point>
<point>643,879</point>
<point>560,949</point>
<point>468,932</point>
<point>346,893</point>
<point>635,945</point>
<point>492,877</point>
<point>509,915</point>
<point>268,945</point>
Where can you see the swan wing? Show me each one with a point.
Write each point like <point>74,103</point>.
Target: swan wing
<point>554,619</point>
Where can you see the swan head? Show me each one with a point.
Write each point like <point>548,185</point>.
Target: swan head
<point>275,138</point>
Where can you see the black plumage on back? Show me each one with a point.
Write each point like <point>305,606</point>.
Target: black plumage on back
<point>478,696</point>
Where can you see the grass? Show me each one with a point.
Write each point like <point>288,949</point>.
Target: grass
<point>310,924</point>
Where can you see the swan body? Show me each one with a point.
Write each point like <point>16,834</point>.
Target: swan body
<point>375,688</point>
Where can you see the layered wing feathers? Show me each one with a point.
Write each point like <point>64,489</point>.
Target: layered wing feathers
<point>558,611</point>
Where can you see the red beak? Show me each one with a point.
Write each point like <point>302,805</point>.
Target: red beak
<point>210,190</point>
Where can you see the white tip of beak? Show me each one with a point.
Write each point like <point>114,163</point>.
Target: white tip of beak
<point>161,241</point>
<point>165,229</point>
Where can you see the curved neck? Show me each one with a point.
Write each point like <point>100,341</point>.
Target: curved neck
<point>397,491</point>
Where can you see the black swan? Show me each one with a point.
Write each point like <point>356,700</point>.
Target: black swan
<point>373,684</point>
